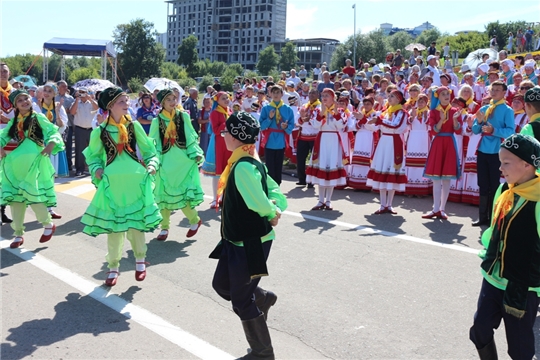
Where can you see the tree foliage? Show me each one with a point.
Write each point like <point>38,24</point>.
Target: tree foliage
<point>502,30</point>
<point>372,45</point>
<point>464,43</point>
<point>187,53</point>
<point>139,55</point>
<point>82,74</point>
<point>429,36</point>
<point>289,58</point>
<point>203,67</point>
<point>398,41</point>
<point>206,81</point>
<point>268,60</point>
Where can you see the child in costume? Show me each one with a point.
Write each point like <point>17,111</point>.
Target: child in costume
<point>443,162</point>
<point>511,260</point>
<point>178,184</point>
<point>532,108</point>
<point>124,200</point>
<point>252,205</point>
<point>27,173</point>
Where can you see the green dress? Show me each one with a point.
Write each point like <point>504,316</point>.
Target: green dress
<point>178,183</point>
<point>124,198</point>
<point>27,176</point>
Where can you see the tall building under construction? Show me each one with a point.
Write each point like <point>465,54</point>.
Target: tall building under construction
<point>232,31</point>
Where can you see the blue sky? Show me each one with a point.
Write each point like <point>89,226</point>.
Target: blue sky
<point>26,25</point>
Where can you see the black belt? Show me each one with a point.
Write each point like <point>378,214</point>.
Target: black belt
<point>80,127</point>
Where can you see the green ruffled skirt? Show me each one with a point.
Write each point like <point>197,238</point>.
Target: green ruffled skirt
<point>178,182</point>
<point>27,176</point>
<point>124,200</point>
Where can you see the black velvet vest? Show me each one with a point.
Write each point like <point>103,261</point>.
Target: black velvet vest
<point>110,145</point>
<point>180,140</point>
<point>35,133</point>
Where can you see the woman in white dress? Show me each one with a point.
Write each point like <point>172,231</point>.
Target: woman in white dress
<point>326,164</point>
<point>417,147</point>
<point>364,145</point>
<point>387,173</point>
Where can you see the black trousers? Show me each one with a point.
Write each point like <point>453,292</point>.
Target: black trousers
<point>519,332</point>
<point>302,151</point>
<point>69,147</point>
<point>489,175</point>
<point>82,139</point>
<point>232,280</point>
<point>274,163</point>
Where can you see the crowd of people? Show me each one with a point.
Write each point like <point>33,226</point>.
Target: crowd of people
<point>393,128</point>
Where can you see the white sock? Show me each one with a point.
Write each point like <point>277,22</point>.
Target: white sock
<point>322,192</point>
<point>444,193</point>
<point>390,198</point>
<point>329,191</point>
<point>140,265</point>
<point>113,273</point>
<point>383,198</point>
<point>164,232</point>
<point>437,190</point>
<point>194,226</point>
<point>18,239</point>
<point>47,229</point>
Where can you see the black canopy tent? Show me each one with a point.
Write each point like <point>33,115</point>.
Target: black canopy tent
<point>79,47</point>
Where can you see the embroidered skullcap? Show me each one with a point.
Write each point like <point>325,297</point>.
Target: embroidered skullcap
<point>52,86</point>
<point>243,127</point>
<point>525,147</point>
<point>255,106</point>
<point>15,94</point>
<point>292,100</point>
<point>109,96</point>
<point>162,94</point>
<point>532,95</point>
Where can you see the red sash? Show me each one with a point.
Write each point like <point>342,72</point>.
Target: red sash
<point>398,149</point>
<point>266,135</point>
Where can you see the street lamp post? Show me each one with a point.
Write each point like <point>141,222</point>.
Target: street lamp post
<point>354,38</point>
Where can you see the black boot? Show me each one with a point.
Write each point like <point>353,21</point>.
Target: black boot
<point>5,219</point>
<point>258,337</point>
<point>483,212</point>
<point>264,300</point>
<point>488,352</point>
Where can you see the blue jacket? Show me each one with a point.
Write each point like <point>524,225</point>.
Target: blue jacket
<point>276,140</point>
<point>502,121</point>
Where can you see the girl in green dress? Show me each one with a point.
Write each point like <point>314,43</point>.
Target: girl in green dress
<point>124,201</point>
<point>27,173</point>
<point>178,183</point>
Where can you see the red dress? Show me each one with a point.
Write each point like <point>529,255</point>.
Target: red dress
<point>443,162</point>
<point>218,120</point>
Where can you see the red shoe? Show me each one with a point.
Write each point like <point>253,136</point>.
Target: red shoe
<point>431,215</point>
<point>442,215</point>
<point>45,238</point>
<point>192,233</point>
<point>140,275</point>
<point>55,215</point>
<point>111,281</point>
<point>214,205</point>
<point>380,211</point>
<point>319,206</point>
<point>16,244</point>
<point>163,235</point>
<point>328,206</point>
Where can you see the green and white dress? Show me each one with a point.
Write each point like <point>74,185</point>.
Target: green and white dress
<point>178,183</point>
<point>124,198</point>
<point>27,176</point>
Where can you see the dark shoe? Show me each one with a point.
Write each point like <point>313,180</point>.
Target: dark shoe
<point>483,212</point>
<point>192,233</point>
<point>55,215</point>
<point>319,206</point>
<point>258,337</point>
<point>328,206</point>
<point>5,219</point>
<point>381,210</point>
<point>45,238</point>
<point>163,235</point>
<point>431,215</point>
<point>442,215</point>
<point>310,186</point>
<point>140,275</point>
<point>301,183</point>
<point>16,244</point>
<point>111,281</point>
<point>264,300</point>
<point>488,352</point>
<point>481,222</point>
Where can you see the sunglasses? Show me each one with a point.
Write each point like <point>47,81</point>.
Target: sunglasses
<point>525,87</point>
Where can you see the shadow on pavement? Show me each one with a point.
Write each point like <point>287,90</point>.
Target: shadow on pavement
<point>76,315</point>
<point>445,232</point>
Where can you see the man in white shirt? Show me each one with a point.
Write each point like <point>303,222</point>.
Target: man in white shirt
<point>289,91</point>
<point>82,111</point>
<point>294,79</point>
<point>302,74</point>
<point>432,70</point>
<point>249,99</point>
<point>317,72</point>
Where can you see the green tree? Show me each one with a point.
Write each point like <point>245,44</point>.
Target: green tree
<point>238,69</point>
<point>135,85</point>
<point>82,74</point>
<point>268,60</point>
<point>289,59</point>
<point>172,70</point>
<point>366,48</point>
<point>139,55</point>
<point>465,43</point>
<point>227,79</point>
<point>429,36</point>
<point>206,81</point>
<point>187,53</point>
<point>398,41</point>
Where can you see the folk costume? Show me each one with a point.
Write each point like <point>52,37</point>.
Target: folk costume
<point>177,184</point>
<point>27,175</point>
<point>124,200</point>
<point>55,112</point>
<point>306,139</point>
<point>365,143</point>
<point>533,127</point>
<point>251,199</point>
<point>6,109</point>
<point>417,148</point>
<point>388,173</point>
<point>443,162</point>
<point>511,262</point>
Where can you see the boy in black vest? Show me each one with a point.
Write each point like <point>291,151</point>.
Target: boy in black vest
<point>252,205</point>
<point>511,261</point>
<point>532,108</point>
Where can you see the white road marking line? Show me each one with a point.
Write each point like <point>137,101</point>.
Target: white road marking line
<point>79,190</point>
<point>158,325</point>
<point>377,231</point>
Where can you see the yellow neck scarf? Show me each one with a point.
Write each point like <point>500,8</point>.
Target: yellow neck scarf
<point>313,105</point>
<point>519,112</point>
<point>444,110</point>
<point>391,110</point>
<point>412,101</point>
<point>20,124</point>
<point>492,106</point>
<point>7,90</point>
<point>278,115</point>
<point>180,107</point>
<point>225,111</point>
<point>469,101</point>
<point>535,117</point>
<point>529,190</point>
<point>170,133</point>
<point>237,154</point>
<point>122,131</point>
<point>367,114</point>
<point>49,109</point>
<point>419,112</point>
